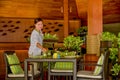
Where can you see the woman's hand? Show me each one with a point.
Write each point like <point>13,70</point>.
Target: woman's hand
<point>44,49</point>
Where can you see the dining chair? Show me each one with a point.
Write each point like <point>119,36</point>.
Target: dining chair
<point>101,71</point>
<point>64,70</point>
<point>67,73</point>
<point>14,70</point>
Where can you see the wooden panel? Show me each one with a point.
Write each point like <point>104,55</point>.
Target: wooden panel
<point>18,29</point>
<point>14,46</point>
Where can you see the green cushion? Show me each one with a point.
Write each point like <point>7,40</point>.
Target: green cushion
<point>63,65</point>
<point>98,69</point>
<point>16,69</point>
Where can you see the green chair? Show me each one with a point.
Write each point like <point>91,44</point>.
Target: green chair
<point>14,71</point>
<point>62,69</point>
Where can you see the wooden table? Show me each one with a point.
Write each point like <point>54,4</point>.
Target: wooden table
<point>74,60</point>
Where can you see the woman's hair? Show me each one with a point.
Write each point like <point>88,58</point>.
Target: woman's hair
<point>37,20</point>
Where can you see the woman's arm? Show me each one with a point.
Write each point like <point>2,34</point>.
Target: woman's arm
<point>41,47</point>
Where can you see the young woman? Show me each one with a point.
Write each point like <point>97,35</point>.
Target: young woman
<point>36,41</point>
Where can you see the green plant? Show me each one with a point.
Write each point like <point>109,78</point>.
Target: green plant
<point>118,40</point>
<point>82,29</point>
<point>114,59</point>
<point>50,36</point>
<point>73,43</point>
<point>115,69</point>
<point>28,39</point>
<point>113,55</point>
<point>108,36</point>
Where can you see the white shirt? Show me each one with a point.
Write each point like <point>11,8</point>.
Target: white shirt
<point>36,37</point>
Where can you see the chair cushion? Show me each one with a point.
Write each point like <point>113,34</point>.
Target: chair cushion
<point>63,65</point>
<point>13,59</point>
<point>22,75</point>
<point>88,74</point>
<point>98,69</point>
<point>57,70</point>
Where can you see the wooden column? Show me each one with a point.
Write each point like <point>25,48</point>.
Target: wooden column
<point>95,27</point>
<point>95,20</point>
<point>66,18</point>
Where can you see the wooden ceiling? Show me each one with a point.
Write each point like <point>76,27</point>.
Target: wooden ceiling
<point>111,10</point>
<point>53,9</point>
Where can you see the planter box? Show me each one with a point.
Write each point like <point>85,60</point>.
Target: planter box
<point>105,44</point>
<point>50,40</point>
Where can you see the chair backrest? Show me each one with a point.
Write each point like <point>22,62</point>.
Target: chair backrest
<point>106,65</point>
<point>8,70</point>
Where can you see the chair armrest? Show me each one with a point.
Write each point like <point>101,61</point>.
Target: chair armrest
<point>13,64</point>
<point>16,64</point>
<point>89,63</point>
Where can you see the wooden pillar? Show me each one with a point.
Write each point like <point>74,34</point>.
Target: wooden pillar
<point>95,20</point>
<point>66,18</point>
<point>95,27</point>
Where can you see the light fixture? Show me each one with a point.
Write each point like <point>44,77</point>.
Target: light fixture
<point>62,9</point>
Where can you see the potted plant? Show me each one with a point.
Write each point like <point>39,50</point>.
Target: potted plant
<point>73,43</point>
<point>107,38</point>
<point>50,38</point>
<point>82,31</point>
<point>116,58</point>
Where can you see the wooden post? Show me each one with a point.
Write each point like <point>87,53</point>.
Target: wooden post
<point>95,26</point>
<point>95,19</point>
<point>66,18</point>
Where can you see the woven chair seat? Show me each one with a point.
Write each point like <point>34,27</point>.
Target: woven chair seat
<point>88,74</point>
<point>56,70</point>
<point>22,75</point>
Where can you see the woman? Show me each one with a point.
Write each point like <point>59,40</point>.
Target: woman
<point>36,41</point>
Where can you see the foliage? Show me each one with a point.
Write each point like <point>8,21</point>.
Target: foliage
<point>108,36</point>
<point>46,36</point>
<point>118,40</point>
<point>50,36</point>
<point>73,43</point>
<point>114,59</point>
<point>115,69</point>
<point>28,39</point>
<point>113,55</point>
<point>82,29</point>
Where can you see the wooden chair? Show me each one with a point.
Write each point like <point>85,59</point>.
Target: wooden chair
<point>9,74</point>
<point>88,75</point>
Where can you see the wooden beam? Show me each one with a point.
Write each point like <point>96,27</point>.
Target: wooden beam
<point>66,17</point>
